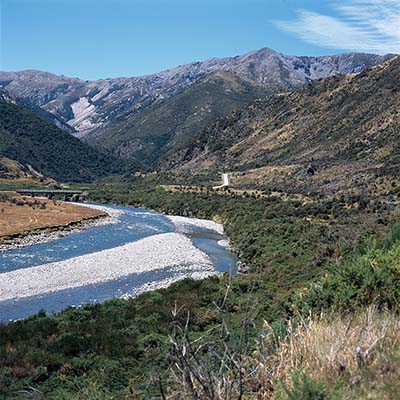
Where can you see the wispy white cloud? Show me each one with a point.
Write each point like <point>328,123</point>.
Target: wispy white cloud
<point>361,25</point>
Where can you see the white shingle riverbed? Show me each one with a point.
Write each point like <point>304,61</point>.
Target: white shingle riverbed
<point>151,253</point>
<point>170,256</point>
<point>186,225</point>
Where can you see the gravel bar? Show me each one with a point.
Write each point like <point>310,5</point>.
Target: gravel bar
<point>151,253</point>
<point>186,225</point>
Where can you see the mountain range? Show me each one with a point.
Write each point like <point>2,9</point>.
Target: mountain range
<point>240,113</point>
<point>93,105</point>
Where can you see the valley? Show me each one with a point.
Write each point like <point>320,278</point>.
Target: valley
<point>106,254</point>
<point>284,245</point>
<point>246,216</point>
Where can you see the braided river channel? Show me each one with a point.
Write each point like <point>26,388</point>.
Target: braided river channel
<point>130,252</point>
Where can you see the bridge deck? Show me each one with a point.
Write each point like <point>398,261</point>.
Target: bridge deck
<point>47,191</point>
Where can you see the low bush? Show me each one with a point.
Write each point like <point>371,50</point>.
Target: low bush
<point>303,387</point>
<point>371,278</point>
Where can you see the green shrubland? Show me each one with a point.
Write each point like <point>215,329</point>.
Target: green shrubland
<point>315,263</point>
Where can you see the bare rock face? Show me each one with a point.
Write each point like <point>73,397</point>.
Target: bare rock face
<point>86,106</point>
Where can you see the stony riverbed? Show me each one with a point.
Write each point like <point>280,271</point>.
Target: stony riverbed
<point>151,253</point>
<point>130,252</point>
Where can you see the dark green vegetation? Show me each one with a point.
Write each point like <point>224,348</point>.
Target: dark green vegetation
<point>45,115</point>
<point>337,134</point>
<point>373,278</point>
<point>29,139</point>
<point>121,349</point>
<point>153,132</point>
<point>305,388</point>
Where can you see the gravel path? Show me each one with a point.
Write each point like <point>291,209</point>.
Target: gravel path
<point>151,253</point>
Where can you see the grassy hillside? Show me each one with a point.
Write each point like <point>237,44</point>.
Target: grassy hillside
<point>154,132</point>
<point>13,174</point>
<point>29,139</point>
<point>11,169</point>
<point>341,133</point>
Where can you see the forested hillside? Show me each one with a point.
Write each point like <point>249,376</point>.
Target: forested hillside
<point>29,139</point>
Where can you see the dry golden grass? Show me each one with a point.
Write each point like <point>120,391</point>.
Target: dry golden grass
<point>12,172</point>
<point>32,214</point>
<point>231,190</point>
<point>361,351</point>
<point>351,178</point>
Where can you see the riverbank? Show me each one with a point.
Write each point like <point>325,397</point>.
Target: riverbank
<point>132,225</point>
<point>185,224</point>
<point>26,221</point>
<point>173,250</point>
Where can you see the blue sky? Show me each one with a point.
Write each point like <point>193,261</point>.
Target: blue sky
<point>94,39</point>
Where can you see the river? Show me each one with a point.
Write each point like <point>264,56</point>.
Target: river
<point>130,226</point>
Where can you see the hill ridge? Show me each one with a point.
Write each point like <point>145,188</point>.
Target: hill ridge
<point>351,121</point>
<point>35,143</point>
<point>91,105</point>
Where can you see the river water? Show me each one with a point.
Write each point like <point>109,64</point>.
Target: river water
<point>132,225</point>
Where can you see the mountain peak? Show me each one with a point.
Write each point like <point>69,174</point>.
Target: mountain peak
<point>91,105</point>
<point>264,51</point>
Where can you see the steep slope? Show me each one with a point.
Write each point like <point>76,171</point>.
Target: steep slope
<point>155,132</point>
<point>337,132</point>
<point>54,119</point>
<point>13,170</point>
<point>42,147</point>
<point>90,105</point>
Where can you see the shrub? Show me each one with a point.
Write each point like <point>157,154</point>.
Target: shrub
<point>305,388</point>
<point>356,351</point>
<point>372,278</point>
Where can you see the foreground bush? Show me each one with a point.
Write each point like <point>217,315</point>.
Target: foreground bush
<point>372,278</point>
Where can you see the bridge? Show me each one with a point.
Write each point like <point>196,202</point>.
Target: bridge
<point>49,193</point>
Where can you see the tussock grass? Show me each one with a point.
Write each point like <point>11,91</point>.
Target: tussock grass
<point>357,354</point>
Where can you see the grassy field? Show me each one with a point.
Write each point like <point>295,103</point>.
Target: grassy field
<point>24,215</point>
